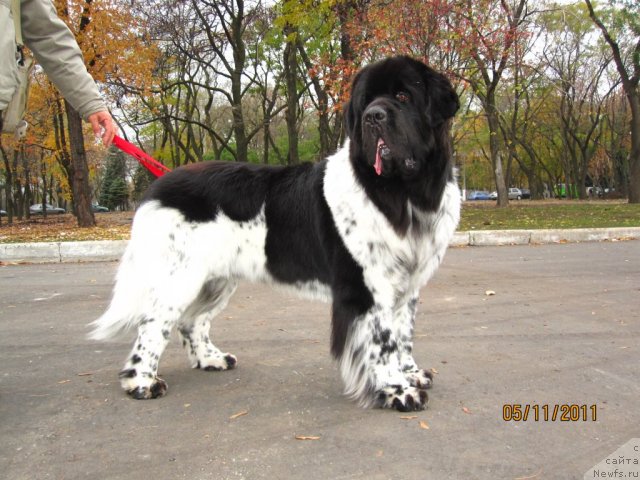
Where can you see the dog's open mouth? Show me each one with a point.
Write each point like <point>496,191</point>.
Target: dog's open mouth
<point>382,151</point>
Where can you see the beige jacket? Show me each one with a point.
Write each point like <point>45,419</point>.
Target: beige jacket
<point>55,49</point>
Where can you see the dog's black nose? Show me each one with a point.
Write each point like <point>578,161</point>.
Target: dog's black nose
<point>375,115</point>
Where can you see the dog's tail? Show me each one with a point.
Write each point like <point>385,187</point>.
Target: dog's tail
<point>153,272</point>
<point>123,312</point>
<point>110,325</point>
<point>136,274</point>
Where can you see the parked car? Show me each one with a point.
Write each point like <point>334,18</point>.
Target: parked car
<point>493,195</point>
<point>526,193</point>
<point>594,192</point>
<point>37,209</point>
<point>515,194</point>
<point>98,208</point>
<point>478,195</point>
<point>3,213</point>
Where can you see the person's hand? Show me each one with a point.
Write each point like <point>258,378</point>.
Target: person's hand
<point>103,125</point>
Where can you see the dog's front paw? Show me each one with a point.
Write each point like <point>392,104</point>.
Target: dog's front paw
<point>419,378</point>
<point>218,363</point>
<point>403,399</point>
<point>157,389</point>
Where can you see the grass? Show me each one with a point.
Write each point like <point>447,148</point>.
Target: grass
<point>527,215</point>
<point>554,214</point>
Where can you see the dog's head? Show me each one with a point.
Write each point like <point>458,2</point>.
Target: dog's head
<point>396,117</point>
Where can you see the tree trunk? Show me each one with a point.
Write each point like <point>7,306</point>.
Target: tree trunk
<point>496,154</point>
<point>634,155</point>
<point>80,180</point>
<point>239,58</point>
<point>291,77</point>
<point>8,182</point>
<point>324,127</point>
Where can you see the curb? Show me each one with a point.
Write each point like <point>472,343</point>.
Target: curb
<point>63,252</point>
<point>111,250</point>
<point>484,238</point>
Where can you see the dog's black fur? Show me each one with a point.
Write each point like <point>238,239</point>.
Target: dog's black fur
<point>399,103</point>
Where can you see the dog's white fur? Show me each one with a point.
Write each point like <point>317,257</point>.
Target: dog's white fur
<point>180,272</point>
<point>394,268</point>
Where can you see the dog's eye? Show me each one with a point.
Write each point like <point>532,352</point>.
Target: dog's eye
<point>402,97</point>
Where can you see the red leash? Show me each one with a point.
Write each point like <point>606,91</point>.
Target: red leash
<point>145,160</point>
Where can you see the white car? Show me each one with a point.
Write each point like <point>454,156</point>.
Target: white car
<point>37,209</point>
<point>515,194</point>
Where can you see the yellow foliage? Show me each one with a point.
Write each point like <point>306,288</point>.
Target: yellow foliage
<point>116,53</point>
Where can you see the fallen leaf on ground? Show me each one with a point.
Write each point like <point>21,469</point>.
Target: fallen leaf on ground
<point>466,410</point>
<point>535,475</point>
<point>239,414</point>
<point>111,226</point>
<point>63,381</point>
<point>85,374</point>
<point>306,437</point>
<point>424,425</point>
<point>434,371</point>
<point>408,417</point>
<point>490,293</point>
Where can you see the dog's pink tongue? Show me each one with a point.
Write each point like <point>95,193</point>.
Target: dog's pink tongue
<point>378,164</point>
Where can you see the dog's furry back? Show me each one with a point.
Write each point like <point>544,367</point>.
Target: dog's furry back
<point>174,251</point>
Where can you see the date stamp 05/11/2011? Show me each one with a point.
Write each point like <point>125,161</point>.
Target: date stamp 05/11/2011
<point>516,412</point>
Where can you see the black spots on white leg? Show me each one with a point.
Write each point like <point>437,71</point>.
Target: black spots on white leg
<point>419,378</point>
<point>403,399</point>
<point>202,353</point>
<point>158,388</point>
<point>127,373</point>
<point>195,325</point>
<point>231,360</point>
<point>226,361</point>
<point>139,376</point>
<point>142,385</point>
<point>371,365</point>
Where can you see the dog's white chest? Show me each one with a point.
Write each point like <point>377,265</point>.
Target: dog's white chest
<point>394,266</point>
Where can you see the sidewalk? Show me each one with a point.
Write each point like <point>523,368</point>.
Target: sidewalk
<point>104,250</point>
<point>561,332</point>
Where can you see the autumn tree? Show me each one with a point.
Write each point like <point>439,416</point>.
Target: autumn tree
<point>626,22</point>
<point>487,31</point>
<point>577,66</point>
<point>318,63</point>
<point>110,40</point>
<point>207,76</point>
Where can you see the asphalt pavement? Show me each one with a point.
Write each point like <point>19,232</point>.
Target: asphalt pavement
<point>541,328</point>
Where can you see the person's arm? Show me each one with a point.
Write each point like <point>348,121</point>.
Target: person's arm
<point>57,51</point>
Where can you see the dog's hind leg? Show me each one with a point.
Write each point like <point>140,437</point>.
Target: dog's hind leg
<point>163,304</point>
<point>139,377</point>
<point>195,324</point>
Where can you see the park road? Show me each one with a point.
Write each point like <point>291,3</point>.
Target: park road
<point>562,329</point>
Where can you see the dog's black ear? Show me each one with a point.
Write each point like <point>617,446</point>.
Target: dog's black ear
<point>353,106</point>
<point>349,118</point>
<point>443,100</point>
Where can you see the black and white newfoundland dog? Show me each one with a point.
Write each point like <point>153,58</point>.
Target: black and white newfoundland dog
<point>365,229</point>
